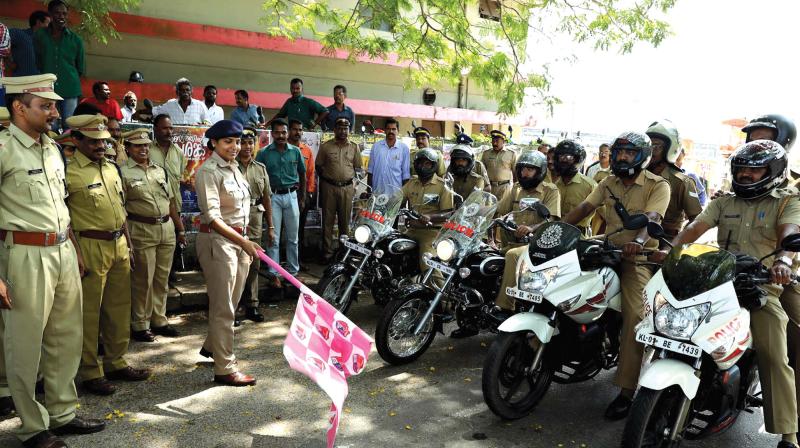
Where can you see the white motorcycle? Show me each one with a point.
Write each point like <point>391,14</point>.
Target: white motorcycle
<point>569,328</point>
<point>699,371</point>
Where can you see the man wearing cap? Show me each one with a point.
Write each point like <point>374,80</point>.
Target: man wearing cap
<point>423,140</point>
<point>499,164</point>
<point>152,220</point>
<point>116,147</point>
<point>295,138</point>
<point>337,162</point>
<point>97,208</point>
<point>67,145</point>
<point>40,325</point>
<point>128,107</point>
<point>260,208</point>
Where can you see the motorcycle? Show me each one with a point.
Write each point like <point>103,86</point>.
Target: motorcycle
<point>376,257</point>
<point>472,270</point>
<point>700,370</point>
<point>567,326</point>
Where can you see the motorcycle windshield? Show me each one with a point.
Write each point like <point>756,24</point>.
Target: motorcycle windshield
<point>380,212</point>
<point>693,269</point>
<point>467,226</point>
<point>552,239</point>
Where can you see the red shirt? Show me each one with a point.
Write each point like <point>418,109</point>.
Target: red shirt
<point>308,155</point>
<point>109,107</point>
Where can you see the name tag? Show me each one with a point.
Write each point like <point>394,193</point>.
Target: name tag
<point>36,171</point>
<point>527,202</point>
<point>230,184</point>
<point>92,186</point>
<point>430,198</point>
<point>732,216</point>
<point>137,183</point>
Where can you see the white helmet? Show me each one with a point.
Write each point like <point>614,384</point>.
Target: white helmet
<point>665,130</point>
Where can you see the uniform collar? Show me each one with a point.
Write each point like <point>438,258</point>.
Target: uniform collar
<point>639,179</point>
<point>539,188</point>
<point>132,163</point>
<point>84,161</point>
<point>576,179</point>
<point>433,181</point>
<point>26,139</point>
<point>221,162</point>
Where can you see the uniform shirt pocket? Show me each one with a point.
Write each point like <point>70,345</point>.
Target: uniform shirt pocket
<point>32,184</point>
<point>95,193</point>
<point>730,224</point>
<point>233,189</point>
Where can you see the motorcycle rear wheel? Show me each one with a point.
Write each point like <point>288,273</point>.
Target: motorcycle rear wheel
<point>507,369</point>
<point>393,338</point>
<point>652,417</point>
<point>331,288</point>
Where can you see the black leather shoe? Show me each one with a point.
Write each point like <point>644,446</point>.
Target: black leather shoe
<point>785,444</point>
<point>80,426</point>
<point>167,330</point>
<point>99,386</point>
<point>237,322</point>
<point>44,439</point>
<point>6,406</point>
<point>128,374</point>
<point>253,314</point>
<point>619,408</point>
<point>461,333</point>
<point>143,336</point>
<point>205,353</point>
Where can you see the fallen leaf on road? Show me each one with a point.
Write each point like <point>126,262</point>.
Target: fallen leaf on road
<point>392,413</point>
<point>467,380</point>
<point>408,427</point>
<point>483,344</point>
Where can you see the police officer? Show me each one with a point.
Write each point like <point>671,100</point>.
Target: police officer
<point>152,220</point>
<point>223,250</point>
<point>337,162</point>
<point>573,185</point>
<point>423,140</point>
<point>97,207</point>
<point>260,208</point>
<point>463,168</point>
<point>755,220</point>
<point>684,202</point>
<point>531,169</point>
<point>639,191</point>
<point>499,162</point>
<point>41,325</point>
<point>67,145</point>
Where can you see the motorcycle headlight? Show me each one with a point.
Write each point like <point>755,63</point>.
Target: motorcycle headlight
<point>362,234</point>
<point>445,250</point>
<point>678,323</point>
<point>537,281</point>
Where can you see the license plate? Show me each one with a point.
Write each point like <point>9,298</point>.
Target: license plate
<point>669,344</point>
<point>524,295</point>
<point>357,247</point>
<point>447,270</point>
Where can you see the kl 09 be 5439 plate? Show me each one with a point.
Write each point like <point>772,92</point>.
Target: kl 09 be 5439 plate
<point>669,344</point>
<point>447,270</point>
<point>524,295</point>
<point>358,248</point>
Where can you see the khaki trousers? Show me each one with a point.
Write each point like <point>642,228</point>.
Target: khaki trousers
<point>106,305</point>
<point>337,205</point>
<point>41,332</point>
<point>790,301</point>
<point>633,279</point>
<point>425,237</point>
<point>254,233</point>
<point>499,191</point>
<point>153,250</point>
<point>509,277</point>
<point>225,266</point>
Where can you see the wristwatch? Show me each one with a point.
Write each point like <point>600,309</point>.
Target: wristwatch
<point>785,260</point>
<point>639,241</point>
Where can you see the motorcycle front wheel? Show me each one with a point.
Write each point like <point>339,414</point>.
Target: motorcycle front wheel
<point>393,336</point>
<point>511,388</point>
<point>653,414</point>
<point>331,288</point>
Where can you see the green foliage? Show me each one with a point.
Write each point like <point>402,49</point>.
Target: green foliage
<point>95,22</point>
<point>444,40</point>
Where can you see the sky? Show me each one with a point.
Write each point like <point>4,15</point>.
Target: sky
<point>726,59</point>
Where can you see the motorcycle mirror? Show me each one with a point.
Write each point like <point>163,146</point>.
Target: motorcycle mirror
<point>655,230</point>
<point>791,243</point>
<point>636,222</point>
<point>542,210</point>
<point>413,123</point>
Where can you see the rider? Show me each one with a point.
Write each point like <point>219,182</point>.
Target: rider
<point>573,185</point>
<point>639,191</point>
<point>684,201</point>
<point>755,220</point>
<point>464,169</point>
<point>531,169</point>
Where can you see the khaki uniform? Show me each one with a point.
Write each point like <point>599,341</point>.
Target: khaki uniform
<point>222,193</point>
<point>684,201</point>
<point>439,198</point>
<point>175,163</point>
<point>97,203</point>
<point>256,175</point>
<point>465,185</point>
<point>43,330</point>
<point>649,193</point>
<point>148,194</point>
<point>752,226</point>
<point>598,222</point>
<point>549,195</point>
<point>337,167</point>
<point>440,168</point>
<point>573,193</point>
<point>790,301</point>
<point>500,168</point>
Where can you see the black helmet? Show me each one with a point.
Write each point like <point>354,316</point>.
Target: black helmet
<point>136,77</point>
<point>422,155</point>
<point>531,159</point>
<point>572,148</point>
<point>759,154</point>
<point>634,141</point>
<point>461,152</point>
<point>785,130</point>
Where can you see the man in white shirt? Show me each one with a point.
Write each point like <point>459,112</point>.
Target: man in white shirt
<point>128,107</point>
<point>184,109</point>
<point>215,112</point>
<point>604,164</point>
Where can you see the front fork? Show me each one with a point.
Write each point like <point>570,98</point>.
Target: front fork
<point>683,410</point>
<point>436,299</point>
<point>356,274</point>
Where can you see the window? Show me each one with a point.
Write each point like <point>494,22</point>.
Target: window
<point>489,9</point>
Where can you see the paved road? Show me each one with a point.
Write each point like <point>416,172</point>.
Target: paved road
<point>435,402</point>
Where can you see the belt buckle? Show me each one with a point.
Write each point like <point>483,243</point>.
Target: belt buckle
<point>116,234</point>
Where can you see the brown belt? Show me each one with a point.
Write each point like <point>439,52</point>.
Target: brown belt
<point>205,228</point>
<point>501,182</point>
<point>36,238</point>
<point>148,219</point>
<point>101,234</point>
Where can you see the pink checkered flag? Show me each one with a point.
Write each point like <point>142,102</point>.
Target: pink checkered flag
<point>324,345</point>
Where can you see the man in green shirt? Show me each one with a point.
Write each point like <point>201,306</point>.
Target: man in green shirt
<point>301,108</point>
<point>60,51</point>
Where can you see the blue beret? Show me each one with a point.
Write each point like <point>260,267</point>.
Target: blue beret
<point>463,139</point>
<point>224,128</point>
